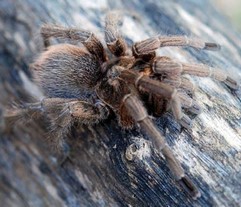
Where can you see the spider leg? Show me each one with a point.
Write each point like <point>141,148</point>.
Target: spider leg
<point>115,42</point>
<point>61,113</point>
<point>88,39</point>
<point>171,73</point>
<point>149,45</point>
<point>144,83</point>
<point>189,103</point>
<point>181,82</point>
<point>185,41</point>
<point>168,66</point>
<point>139,114</point>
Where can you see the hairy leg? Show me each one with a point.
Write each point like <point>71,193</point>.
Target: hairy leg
<point>149,45</point>
<point>139,114</point>
<point>189,103</point>
<point>181,83</point>
<point>87,38</point>
<point>164,65</point>
<point>61,113</point>
<point>146,84</point>
<point>115,42</point>
<point>189,42</point>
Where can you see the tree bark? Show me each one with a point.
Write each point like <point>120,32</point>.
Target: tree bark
<point>100,172</point>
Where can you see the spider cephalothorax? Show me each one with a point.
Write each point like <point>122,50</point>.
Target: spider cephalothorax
<point>83,84</point>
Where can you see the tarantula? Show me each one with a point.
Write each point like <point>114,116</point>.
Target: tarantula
<point>129,82</point>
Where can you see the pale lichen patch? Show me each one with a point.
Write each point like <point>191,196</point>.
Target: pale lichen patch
<point>140,149</point>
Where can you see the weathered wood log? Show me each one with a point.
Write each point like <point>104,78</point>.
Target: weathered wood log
<point>100,172</point>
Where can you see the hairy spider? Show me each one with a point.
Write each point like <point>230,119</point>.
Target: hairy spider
<point>128,82</point>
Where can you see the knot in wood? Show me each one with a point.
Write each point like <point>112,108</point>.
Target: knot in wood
<point>138,150</point>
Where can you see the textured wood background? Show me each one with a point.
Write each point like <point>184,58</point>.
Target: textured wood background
<point>99,173</point>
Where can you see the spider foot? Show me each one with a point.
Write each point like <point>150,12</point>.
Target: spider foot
<point>212,46</point>
<point>195,108</point>
<point>232,83</point>
<point>189,187</point>
<point>189,103</point>
<point>185,121</point>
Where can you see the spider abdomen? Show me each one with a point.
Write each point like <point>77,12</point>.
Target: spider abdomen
<point>66,71</point>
